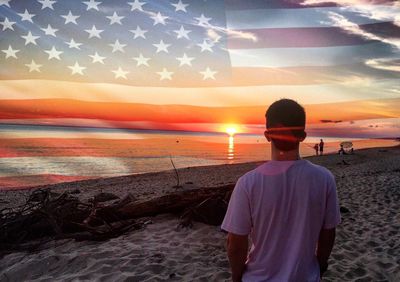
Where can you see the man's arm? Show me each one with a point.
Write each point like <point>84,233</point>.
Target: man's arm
<point>237,246</point>
<point>324,249</point>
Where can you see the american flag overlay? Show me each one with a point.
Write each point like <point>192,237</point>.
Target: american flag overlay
<point>153,43</point>
<point>179,65</point>
<point>193,43</point>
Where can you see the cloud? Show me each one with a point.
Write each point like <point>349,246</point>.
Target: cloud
<point>387,13</point>
<point>390,64</point>
<point>378,12</point>
<point>353,28</point>
<point>242,35</point>
<point>383,61</point>
<point>366,8</point>
<point>330,121</point>
<point>384,13</point>
<point>346,3</point>
<point>214,33</point>
<point>368,128</point>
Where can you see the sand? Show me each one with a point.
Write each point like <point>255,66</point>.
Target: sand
<point>367,246</point>
<point>158,253</point>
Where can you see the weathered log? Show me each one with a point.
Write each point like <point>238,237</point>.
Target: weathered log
<point>106,231</point>
<point>174,202</point>
<point>211,211</point>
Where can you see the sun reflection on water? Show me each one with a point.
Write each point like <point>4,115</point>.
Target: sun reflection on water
<point>231,152</point>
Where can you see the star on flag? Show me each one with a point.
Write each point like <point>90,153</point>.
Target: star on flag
<point>141,60</point>
<point>165,74</point>
<point>33,66</point>
<point>76,69</point>
<point>120,73</point>
<point>10,52</point>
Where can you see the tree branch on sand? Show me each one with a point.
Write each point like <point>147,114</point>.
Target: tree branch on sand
<point>59,216</point>
<point>176,173</point>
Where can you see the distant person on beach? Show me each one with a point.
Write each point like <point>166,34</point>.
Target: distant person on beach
<point>341,150</point>
<point>321,147</point>
<point>316,149</point>
<point>288,206</point>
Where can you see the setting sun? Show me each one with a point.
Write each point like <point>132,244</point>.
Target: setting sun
<point>231,130</point>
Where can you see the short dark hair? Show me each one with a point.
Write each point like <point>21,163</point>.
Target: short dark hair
<point>289,117</point>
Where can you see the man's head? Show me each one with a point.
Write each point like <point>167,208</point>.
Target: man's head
<point>285,122</point>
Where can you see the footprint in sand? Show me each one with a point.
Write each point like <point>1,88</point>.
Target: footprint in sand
<point>372,244</point>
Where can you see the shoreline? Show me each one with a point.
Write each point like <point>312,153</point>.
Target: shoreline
<point>153,184</point>
<point>27,164</point>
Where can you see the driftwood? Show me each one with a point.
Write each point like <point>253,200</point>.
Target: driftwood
<point>47,214</point>
<point>57,216</point>
<point>174,202</point>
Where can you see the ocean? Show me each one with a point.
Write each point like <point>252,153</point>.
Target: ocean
<point>33,155</point>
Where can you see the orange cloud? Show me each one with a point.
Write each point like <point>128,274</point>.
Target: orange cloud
<point>164,115</point>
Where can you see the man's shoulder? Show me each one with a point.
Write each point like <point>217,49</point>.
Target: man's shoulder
<point>249,176</point>
<point>319,169</point>
<point>264,167</point>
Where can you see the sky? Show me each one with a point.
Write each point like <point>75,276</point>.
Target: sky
<point>201,65</point>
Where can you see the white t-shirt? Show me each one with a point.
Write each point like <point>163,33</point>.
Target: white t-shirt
<point>283,205</point>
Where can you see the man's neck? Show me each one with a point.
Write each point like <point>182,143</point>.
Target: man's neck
<point>278,155</point>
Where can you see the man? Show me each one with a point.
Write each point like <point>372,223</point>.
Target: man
<point>287,205</point>
<point>321,147</point>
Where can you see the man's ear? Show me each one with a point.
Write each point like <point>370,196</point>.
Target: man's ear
<point>266,134</point>
<point>303,136</point>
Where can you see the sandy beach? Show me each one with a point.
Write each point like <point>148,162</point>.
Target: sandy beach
<point>367,246</point>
